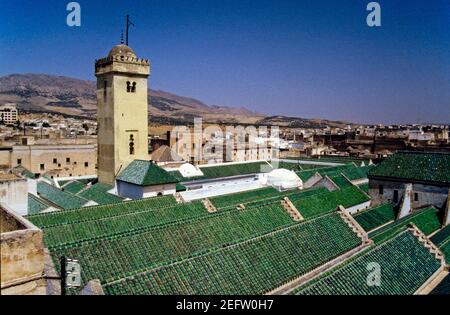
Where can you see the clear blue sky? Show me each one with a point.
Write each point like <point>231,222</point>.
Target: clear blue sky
<point>309,59</point>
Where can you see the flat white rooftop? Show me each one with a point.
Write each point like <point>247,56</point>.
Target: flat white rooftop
<point>216,188</point>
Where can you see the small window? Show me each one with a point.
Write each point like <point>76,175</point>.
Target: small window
<point>70,175</point>
<point>75,163</point>
<point>395,196</point>
<point>67,160</point>
<point>416,197</point>
<point>55,161</point>
<point>42,167</point>
<point>86,164</point>
<point>133,88</point>
<point>380,189</point>
<point>59,164</point>
<point>128,87</point>
<point>131,145</point>
<point>19,161</point>
<point>105,84</point>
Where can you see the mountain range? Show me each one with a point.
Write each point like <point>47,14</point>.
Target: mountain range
<point>74,97</point>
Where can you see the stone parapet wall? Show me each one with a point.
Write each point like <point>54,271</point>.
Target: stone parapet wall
<point>22,253</point>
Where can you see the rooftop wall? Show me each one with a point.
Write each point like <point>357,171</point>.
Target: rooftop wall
<point>22,250</point>
<point>13,192</point>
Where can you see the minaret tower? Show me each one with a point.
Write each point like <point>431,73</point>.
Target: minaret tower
<point>122,112</point>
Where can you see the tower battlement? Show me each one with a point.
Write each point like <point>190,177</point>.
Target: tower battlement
<point>109,60</point>
<point>122,58</point>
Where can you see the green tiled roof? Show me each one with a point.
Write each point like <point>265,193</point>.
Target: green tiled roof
<point>351,171</point>
<point>151,247</point>
<point>287,165</point>
<point>374,217</point>
<point>426,220</point>
<point>177,175</point>
<point>442,240</point>
<point>145,173</point>
<point>86,180</point>
<point>340,181</point>
<point>253,265</point>
<point>364,187</point>
<point>226,170</point>
<point>100,187</point>
<point>317,204</point>
<point>443,288</point>
<point>405,265</point>
<point>334,170</point>
<point>333,159</point>
<point>99,193</point>
<point>445,248</point>
<point>415,166</point>
<point>180,187</point>
<point>23,171</point>
<point>114,219</point>
<point>62,199</point>
<point>102,212</point>
<point>223,201</point>
<point>357,172</point>
<point>297,166</point>
<point>36,205</point>
<point>73,187</point>
<point>441,236</point>
<point>261,196</point>
<point>235,169</point>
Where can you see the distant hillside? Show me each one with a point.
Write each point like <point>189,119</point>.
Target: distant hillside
<point>295,122</point>
<point>69,96</point>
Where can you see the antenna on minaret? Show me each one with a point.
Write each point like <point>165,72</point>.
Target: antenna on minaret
<point>129,23</point>
<point>121,38</point>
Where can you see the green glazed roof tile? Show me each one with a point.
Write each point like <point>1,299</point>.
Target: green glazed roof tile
<point>145,173</point>
<point>415,166</point>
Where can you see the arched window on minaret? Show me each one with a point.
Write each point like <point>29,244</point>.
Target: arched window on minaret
<point>131,144</point>
<point>128,87</point>
<point>133,88</point>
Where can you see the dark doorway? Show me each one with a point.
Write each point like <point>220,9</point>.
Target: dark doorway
<point>395,196</point>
